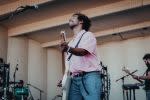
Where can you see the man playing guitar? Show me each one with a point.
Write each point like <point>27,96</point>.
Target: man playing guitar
<point>84,66</point>
<point>146,77</point>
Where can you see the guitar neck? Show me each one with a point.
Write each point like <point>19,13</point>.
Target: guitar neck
<point>136,79</point>
<point>63,39</point>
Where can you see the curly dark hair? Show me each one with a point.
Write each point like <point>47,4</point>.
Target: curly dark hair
<point>86,21</point>
<point>146,56</point>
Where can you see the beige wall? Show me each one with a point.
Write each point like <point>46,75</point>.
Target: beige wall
<point>38,66</point>
<point>37,70</point>
<point>126,53</point>
<point>18,54</point>
<point>43,67</point>
<point>3,43</point>
<point>115,55</point>
<point>54,72</point>
<point>43,76</point>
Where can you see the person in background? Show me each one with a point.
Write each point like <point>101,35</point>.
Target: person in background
<point>146,77</point>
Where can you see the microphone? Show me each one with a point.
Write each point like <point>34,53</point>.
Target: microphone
<point>30,7</point>
<point>17,67</point>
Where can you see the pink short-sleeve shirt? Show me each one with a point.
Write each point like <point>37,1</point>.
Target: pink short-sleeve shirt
<point>88,62</point>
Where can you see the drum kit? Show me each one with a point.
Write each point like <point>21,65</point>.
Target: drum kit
<point>12,90</point>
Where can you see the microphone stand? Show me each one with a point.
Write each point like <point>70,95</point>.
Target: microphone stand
<point>41,91</point>
<point>126,75</point>
<point>14,76</point>
<point>105,82</point>
<point>122,78</point>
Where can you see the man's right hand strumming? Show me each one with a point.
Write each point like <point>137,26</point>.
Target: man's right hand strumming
<point>64,46</point>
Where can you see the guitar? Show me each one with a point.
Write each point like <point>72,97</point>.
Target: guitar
<point>66,77</point>
<point>128,72</point>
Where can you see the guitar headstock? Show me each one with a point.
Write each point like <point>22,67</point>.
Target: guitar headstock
<point>63,36</point>
<point>62,32</point>
<point>125,70</point>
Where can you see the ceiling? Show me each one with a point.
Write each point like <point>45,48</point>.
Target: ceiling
<point>52,9</point>
<point>98,24</point>
<point>124,36</point>
<point>2,2</point>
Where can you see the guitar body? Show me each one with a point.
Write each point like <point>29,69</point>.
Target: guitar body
<point>66,87</point>
<point>66,81</point>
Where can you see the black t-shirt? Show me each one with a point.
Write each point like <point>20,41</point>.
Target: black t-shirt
<point>147,82</point>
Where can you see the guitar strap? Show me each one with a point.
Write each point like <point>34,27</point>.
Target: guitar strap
<point>76,46</point>
<point>71,56</point>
